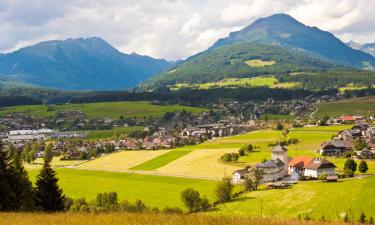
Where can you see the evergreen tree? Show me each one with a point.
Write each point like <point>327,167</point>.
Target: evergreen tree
<point>5,187</point>
<point>21,186</point>
<point>362,167</point>
<point>47,194</point>
<point>350,164</point>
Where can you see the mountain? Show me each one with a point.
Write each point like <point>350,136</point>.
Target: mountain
<point>284,30</point>
<point>368,48</point>
<point>79,64</point>
<point>235,61</point>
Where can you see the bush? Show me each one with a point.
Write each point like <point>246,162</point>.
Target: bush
<point>279,126</point>
<point>350,164</point>
<point>229,157</point>
<point>322,177</point>
<point>224,190</point>
<point>172,210</point>
<point>241,152</point>
<point>191,199</point>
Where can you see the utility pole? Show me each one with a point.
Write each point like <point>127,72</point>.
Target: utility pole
<point>261,207</point>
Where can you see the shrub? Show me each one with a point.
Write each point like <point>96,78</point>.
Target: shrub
<point>191,199</point>
<point>363,167</point>
<point>172,210</point>
<point>322,177</point>
<point>224,190</point>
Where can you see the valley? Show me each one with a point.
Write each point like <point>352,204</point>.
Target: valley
<point>187,113</point>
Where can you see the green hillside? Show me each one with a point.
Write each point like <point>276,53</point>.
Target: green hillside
<point>239,60</point>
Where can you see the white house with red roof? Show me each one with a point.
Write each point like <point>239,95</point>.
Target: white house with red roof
<point>311,167</point>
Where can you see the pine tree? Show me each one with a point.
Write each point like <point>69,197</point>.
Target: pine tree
<point>21,186</point>
<point>5,188</point>
<point>47,194</point>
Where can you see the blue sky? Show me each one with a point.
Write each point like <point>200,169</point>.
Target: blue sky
<point>170,29</point>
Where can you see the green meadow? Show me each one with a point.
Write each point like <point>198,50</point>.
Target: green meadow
<point>156,191</point>
<point>260,81</point>
<point>162,160</point>
<point>363,106</point>
<point>102,134</point>
<point>314,198</point>
<point>111,110</point>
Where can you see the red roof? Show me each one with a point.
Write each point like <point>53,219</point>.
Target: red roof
<point>347,118</point>
<point>300,161</point>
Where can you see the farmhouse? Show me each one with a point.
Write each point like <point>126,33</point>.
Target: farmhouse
<point>335,147</point>
<point>310,167</point>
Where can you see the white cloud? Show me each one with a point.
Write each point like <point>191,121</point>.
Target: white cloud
<point>170,29</point>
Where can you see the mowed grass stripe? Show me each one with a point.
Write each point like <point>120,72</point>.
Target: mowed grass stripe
<point>162,160</point>
<point>156,191</point>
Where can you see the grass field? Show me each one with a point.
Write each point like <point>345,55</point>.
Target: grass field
<point>259,63</point>
<point>203,160</point>
<point>121,218</point>
<point>103,134</point>
<point>156,191</point>
<point>269,81</point>
<point>315,198</point>
<point>162,160</point>
<point>201,163</point>
<point>101,110</point>
<point>121,160</point>
<point>363,106</point>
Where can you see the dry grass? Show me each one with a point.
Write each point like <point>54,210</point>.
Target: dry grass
<point>122,160</point>
<point>201,163</point>
<point>259,63</point>
<point>141,219</point>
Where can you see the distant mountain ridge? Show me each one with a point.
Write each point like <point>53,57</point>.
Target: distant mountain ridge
<point>284,30</point>
<point>79,64</point>
<point>368,48</point>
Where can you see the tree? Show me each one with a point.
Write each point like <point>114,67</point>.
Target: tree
<point>248,184</point>
<point>47,194</point>
<point>362,218</point>
<point>285,133</point>
<point>256,175</point>
<point>32,156</point>
<point>279,126</point>
<point>224,190</point>
<point>5,173</point>
<point>48,154</point>
<point>191,199</point>
<point>21,186</point>
<point>363,167</point>
<point>350,164</point>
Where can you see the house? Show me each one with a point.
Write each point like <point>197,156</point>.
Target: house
<point>335,147</point>
<point>311,167</point>
<point>347,119</point>
<point>239,175</point>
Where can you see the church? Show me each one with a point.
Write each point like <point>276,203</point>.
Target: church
<point>274,169</point>
<point>277,167</point>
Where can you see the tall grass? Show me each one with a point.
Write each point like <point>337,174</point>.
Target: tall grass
<point>142,219</point>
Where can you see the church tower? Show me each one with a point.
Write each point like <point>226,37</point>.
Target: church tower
<point>280,152</point>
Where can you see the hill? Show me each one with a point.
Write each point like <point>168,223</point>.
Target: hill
<point>238,60</point>
<point>78,64</point>
<point>284,30</point>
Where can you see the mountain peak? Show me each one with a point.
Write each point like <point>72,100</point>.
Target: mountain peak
<point>284,30</point>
